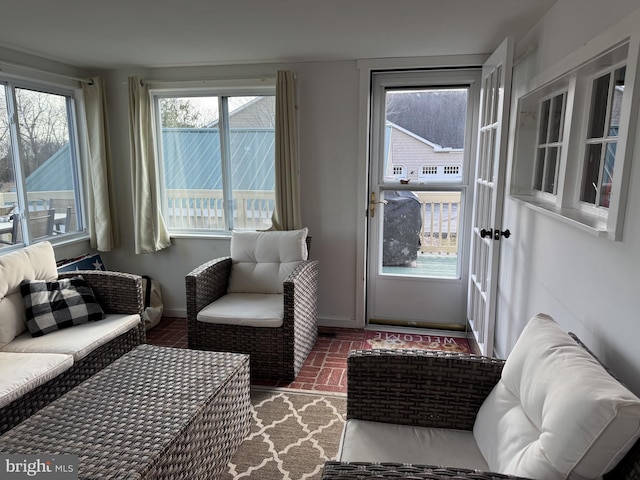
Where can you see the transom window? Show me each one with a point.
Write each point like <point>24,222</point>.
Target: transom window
<point>549,143</point>
<point>602,137</point>
<point>217,154</point>
<point>40,195</point>
<point>575,136</point>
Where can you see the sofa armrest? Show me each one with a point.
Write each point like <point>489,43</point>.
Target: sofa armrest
<point>358,471</point>
<point>419,387</point>
<point>116,292</point>
<point>206,284</point>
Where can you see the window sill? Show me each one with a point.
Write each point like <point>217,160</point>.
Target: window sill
<point>593,224</point>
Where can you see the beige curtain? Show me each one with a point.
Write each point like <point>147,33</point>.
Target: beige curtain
<point>100,209</point>
<point>286,214</point>
<point>150,231</point>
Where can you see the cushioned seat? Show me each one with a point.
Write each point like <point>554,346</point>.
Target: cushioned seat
<point>78,341</point>
<point>261,301</point>
<point>550,411</point>
<point>22,372</point>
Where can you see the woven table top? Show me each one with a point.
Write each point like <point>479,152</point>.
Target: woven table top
<point>127,415</point>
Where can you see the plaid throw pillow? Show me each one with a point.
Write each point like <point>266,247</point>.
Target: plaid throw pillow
<point>51,306</point>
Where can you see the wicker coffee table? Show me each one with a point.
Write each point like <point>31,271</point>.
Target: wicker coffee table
<point>154,413</point>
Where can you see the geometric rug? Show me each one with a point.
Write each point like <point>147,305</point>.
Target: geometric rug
<point>292,435</point>
<point>399,340</point>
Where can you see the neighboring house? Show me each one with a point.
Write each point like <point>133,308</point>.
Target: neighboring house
<point>413,158</point>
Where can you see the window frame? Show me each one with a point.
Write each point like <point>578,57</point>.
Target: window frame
<point>222,90</point>
<point>76,130</point>
<point>575,75</point>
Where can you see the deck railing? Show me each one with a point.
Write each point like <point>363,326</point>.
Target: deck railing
<point>190,208</point>
<point>440,222</point>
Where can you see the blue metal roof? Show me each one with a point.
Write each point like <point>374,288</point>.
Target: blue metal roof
<point>252,161</point>
<point>54,174</point>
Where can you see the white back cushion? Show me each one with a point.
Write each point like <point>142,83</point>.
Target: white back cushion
<point>261,261</point>
<point>556,412</point>
<point>35,262</point>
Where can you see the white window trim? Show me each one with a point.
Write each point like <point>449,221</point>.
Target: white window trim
<point>576,73</point>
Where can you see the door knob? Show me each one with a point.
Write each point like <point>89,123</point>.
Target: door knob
<point>495,234</point>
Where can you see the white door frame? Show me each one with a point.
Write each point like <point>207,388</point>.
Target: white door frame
<point>365,68</point>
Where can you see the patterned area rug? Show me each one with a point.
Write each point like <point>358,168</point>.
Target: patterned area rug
<point>375,339</point>
<point>292,435</point>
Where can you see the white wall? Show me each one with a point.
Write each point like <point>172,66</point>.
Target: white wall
<point>589,285</point>
<point>328,99</point>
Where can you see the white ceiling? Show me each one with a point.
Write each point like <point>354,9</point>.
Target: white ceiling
<point>105,34</point>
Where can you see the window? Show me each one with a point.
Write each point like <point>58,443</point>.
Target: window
<point>549,144</point>
<point>40,195</point>
<point>429,170</point>
<point>217,151</point>
<point>399,171</point>
<point>574,137</point>
<point>452,169</point>
<point>602,137</point>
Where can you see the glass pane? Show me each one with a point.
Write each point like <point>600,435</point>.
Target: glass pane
<point>537,181</point>
<point>424,128</point>
<point>47,160</point>
<point>252,159</point>
<point>607,174</point>
<point>556,118</point>
<point>550,172</point>
<point>616,103</point>
<point>8,198</point>
<point>191,162</point>
<point>591,173</point>
<point>543,127</point>
<point>420,233</point>
<point>599,99</point>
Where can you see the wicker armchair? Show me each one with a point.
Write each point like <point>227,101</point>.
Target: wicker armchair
<point>276,353</point>
<point>117,293</point>
<point>430,389</point>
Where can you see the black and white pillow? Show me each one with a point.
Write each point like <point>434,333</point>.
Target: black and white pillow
<point>51,306</point>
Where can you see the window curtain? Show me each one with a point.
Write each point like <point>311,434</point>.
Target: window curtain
<point>286,213</point>
<point>150,231</point>
<point>101,225</point>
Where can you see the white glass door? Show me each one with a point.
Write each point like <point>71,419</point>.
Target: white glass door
<point>487,232</point>
<point>422,142</point>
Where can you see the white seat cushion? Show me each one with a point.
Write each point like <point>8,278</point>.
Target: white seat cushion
<point>262,261</point>
<point>79,340</point>
<point>245,309</point>
<point>22,372</point>
<point>555,413</point>
<point>364,441</point>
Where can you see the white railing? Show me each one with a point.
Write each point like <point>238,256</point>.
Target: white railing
<point>440,222</point>
<point>190,208</point>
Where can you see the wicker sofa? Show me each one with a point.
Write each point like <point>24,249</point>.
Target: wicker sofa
<point>34,371</point>
<point>550,411</point>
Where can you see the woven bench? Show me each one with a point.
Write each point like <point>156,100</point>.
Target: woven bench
<point>156,412</point>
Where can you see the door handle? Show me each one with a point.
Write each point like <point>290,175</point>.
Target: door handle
<point>495,234</point>
<point>373,203</point>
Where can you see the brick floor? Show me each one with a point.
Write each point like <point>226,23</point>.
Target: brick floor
<point>326,366</point>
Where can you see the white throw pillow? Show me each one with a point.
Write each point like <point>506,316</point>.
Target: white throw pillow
<point>261,261</point>
<point>555,413</point>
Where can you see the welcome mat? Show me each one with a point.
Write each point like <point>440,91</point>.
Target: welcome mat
<point>292,436</point>
<point>393,340</point>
